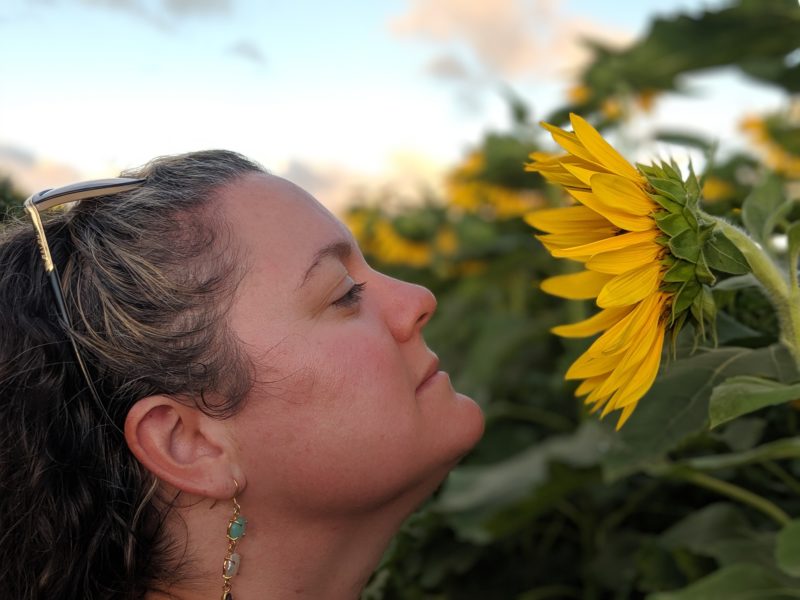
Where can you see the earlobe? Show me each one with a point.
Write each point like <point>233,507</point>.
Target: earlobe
<point>182,446</point>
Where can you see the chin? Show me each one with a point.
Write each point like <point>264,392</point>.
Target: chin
<point>471,424</point>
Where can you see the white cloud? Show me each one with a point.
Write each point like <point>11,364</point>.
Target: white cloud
<point>406,176</point>
<point>448,67</point>
<point>31,174</point>
<point>509,38</point>
<point>249,51</point>
<point>190,7</point>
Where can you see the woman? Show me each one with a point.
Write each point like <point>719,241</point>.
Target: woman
<point>228,355</point>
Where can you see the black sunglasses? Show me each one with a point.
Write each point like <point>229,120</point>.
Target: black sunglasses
<point>44,200</point>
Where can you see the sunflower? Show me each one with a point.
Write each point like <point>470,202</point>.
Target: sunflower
<point>613,230</point>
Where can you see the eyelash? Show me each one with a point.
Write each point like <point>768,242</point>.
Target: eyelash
<point>352,297</point>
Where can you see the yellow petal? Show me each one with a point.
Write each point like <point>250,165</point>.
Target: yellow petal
<point>566,220</point>
<point>558,241</point>
<point>601,151</point>
<point>591,366</point>
<point>624,333</point>
<point>641,381</point>
<point>545,157</point>
<point>569,142</point>
<point>625,415</point>
<point>594,324</point>
<point>597,399</point>
<point>630,362</point>
<point>645,332</point>
<point>576,286</point>
<point>622,194</point>
<point>587,385</point>
<point>583,174</point>
<point>609,244</point>
<point>630,287</point>
<point>620,261</point>
<point>620,218</point>
<point>560,177</point>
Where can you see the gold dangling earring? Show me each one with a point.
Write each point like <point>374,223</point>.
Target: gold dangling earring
<point>236,530</point>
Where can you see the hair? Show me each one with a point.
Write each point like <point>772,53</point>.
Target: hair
<point>148,276</point>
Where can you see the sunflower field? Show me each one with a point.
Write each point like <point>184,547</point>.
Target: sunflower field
<point>632,331</point>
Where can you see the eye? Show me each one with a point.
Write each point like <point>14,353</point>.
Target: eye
<point>352,297</point>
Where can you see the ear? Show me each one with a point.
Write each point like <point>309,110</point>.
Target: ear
<point>183,447</point>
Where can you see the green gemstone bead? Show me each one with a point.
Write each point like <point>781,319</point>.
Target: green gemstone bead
<point>237,527</point>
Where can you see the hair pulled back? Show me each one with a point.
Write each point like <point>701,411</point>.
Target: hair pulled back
<point>148,276</point>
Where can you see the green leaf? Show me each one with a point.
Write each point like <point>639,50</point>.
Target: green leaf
<point>787,549</point>
<point>723,255</point>
<point>721,532</point>
<point>676,407</point>
<point>736,582</point>
<point>743,394</point>
<point>683,139</point>
<point>475,495</point>
<point>763,208</point>
<point>743,434</point>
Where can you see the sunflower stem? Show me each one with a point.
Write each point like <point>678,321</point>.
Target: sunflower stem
<point>734,492</point>
<point>782,292</point>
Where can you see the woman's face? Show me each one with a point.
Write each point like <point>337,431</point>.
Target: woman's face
<point>349,410</point>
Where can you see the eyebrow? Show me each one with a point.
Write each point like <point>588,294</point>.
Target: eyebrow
<point>340,249</point>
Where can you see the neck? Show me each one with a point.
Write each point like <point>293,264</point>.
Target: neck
<point>289,557</point>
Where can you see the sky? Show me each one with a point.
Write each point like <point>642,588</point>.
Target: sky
<point>337,96</point>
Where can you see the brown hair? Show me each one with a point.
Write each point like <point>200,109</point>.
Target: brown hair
<point>148,276</point>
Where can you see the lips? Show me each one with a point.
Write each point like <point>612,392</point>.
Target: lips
<point>433,369</point>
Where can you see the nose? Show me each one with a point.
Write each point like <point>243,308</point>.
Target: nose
<point>408,308</point>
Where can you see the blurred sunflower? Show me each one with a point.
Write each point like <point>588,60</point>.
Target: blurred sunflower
<point>779,137</point>
<point>467,190</point>
<point>613,230</point>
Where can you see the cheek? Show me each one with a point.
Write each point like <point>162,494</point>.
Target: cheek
<point>340,426</point>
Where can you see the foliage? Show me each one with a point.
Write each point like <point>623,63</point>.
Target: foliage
<point>10,197</point>
<point>698,496</point>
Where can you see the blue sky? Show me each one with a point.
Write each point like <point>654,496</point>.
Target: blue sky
<point>332,94</point>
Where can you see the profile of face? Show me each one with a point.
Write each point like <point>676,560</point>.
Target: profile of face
<point>350,410</point>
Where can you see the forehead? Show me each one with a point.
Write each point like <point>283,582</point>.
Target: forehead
<point>277,225</point>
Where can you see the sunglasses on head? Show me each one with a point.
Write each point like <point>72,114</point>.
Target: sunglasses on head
<point>47,199</point>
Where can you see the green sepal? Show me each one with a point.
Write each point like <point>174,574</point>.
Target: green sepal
<point>662,240</point>
<point>675,326</point>
<point>672,287</point>
<point>692,188</point>
<point>650,170</point>
<point>691,218</point>
<point>685,297</point>
<point>671,223</point>
<point>723,255</point>
<point>702,272</point>
<point>704,310</point>
<point>669,188</point>
<point>679,272</point>
<point>686,245</point>
<point>672,170</point>
<point>667,204</point>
